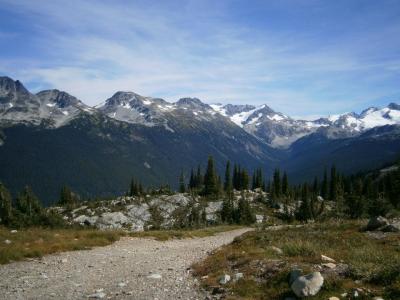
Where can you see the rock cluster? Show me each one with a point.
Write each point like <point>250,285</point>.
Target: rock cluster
<point>380,223</point>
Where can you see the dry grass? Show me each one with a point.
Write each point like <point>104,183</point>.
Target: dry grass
<point>163,235</point>
<point>36,242</point>
<point>374,262</point>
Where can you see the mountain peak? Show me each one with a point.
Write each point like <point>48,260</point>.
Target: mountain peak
<point>8,85</point>
<point>61,98</point>
<point>192,103</point>
<point>394,106</point>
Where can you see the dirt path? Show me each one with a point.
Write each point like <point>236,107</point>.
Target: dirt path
<point>131,268</point>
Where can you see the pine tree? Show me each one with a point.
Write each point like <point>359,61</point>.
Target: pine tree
<point>253,181</point>
<point>66,197</point>
<point>192,182</point>
<point>277,189</point>
<point>244,180</point>
<point>210,179</point>
<point>28,203</point>
<point>236,179</point>
<point>285,185</point>
<point>244,213</point>
<point>204,216</point>
<point>5,205</point>
<point>182,188</point>
<point>324,186</point>
<point>228,181</point>
<point>227,211</point>
<point>199,178</point>
<point>304,212</point>
<point>333,191</point>
<point>316,186</point>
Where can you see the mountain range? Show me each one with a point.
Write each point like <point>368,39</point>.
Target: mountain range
<point>51,138</point>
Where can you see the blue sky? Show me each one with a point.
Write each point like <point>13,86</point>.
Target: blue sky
<point>303,58</point>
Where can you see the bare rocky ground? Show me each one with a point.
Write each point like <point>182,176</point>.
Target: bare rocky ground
<point>131,268</point>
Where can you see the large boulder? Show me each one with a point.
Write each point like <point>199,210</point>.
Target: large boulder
<point>212,211</point>
<point>138,216</point>
<point>307,285</point>
<point>394,227</point>
<point>112,220</point>
<point>85,220</point>
<point>376,222</point>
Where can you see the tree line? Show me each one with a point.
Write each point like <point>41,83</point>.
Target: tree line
<point>26,210</point>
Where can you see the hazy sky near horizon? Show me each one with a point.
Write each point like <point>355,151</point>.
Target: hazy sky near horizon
<point>300,57</point>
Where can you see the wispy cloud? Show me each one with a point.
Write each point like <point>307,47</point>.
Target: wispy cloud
<point>215,51</point>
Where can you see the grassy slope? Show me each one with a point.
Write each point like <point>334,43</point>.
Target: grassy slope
<point>36,242</point>
<point>374,262</point>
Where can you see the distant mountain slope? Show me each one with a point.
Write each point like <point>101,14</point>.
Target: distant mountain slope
<point>51,138</point>
<point>18,105</point>
<point>98,155</point>
<point>281,131</point>
<point>308,156</point>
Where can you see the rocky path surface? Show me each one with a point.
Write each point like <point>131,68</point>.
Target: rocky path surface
<point>131,268</point>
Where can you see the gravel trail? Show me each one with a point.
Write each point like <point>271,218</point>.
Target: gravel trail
<point>131,268</point>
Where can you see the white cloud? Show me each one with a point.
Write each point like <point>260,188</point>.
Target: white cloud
<point>92,49</point>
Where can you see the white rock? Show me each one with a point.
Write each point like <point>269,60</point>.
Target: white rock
<point>377,222</point>
<point>63,261</point>
<point>238,276</point>
<point>259,219</point>
<point>112,220</point>
<point>333,298</point>
<point>121,284</point>
<point>277,250</point>
<point>14,231</point>
<point>329,265</point>
<point>97,295</point>
<point>8,242</point>
<point>327,259</point>
<point>225,279</point>
<point>154,276</point>
<point>308,285</point>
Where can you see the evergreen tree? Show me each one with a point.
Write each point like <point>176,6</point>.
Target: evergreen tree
<point>210,179</point>
<point>253,181</point>
<point>199,178</point>
<point>204,216</point>
<point>227,213</point>
<point>236,179</point>
<point>304,213</point>
<point>285,185</point>
<point>244,213</point>
<point>244,180</point>
<point>316,186</point>
<point>182,187</point>
<point>277,188</point>
<point>67,198</point>
<point>325,186</point>
<point>28,208</point>
<point>5,205</point>
<point>333,191</point>
<point>228,181</point>
<point>192,182</point>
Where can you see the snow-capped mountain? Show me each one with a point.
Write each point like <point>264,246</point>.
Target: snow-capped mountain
<point>280,131</point>
<point>136,109</point>
<point>277,130</point>
<point>18,105</point>
<point>274,128</point>
<point>152,139</point>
